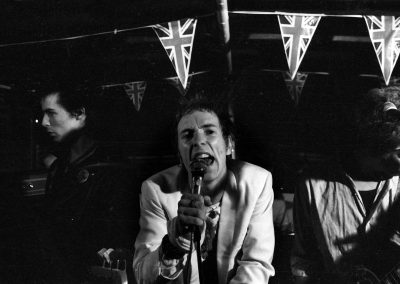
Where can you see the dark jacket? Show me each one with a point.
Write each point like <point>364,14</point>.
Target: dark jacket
<point>89,205</point>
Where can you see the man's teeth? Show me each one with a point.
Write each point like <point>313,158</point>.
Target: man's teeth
<point>203,156</point>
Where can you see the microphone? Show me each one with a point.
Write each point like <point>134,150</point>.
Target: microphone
<point>198,168</point>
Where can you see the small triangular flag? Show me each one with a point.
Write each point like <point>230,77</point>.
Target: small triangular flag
<point>177,40</point>
<point>295,85</point>
<point>177,84</point>
<point>297,32</point>
<point>384,32</point>
<point>135,92</point>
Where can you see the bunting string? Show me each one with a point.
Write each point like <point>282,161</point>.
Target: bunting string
<point>136,90</point>
<point>297,30</point>
<point>293,14</point>
<point>166,78</point>
<point>114,32</point>
<point>308,72</point>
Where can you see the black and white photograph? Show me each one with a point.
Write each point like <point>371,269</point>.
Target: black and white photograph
<point>199,142</point>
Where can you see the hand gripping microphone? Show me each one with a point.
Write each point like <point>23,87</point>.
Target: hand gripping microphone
<point>198,168</point>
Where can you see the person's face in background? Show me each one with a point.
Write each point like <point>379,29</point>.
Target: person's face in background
<point>384,165</point>
<point>390,162</point>
<point>57,121</point>
<point>200,135</point>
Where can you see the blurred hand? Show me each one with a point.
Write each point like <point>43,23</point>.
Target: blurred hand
<point>115,257</point>
<point>192,210</point>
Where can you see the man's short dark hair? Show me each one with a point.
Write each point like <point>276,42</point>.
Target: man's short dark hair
<point>74,96</point>
<point>71,96</point>
<point>204,104</point>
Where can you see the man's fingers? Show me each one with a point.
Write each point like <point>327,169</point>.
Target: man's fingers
<point>189,211</point>
<point>190,220</point>
<point>191,196</point>
<point>191,200</point>
<point>184,203</point>
<point>207,200</point>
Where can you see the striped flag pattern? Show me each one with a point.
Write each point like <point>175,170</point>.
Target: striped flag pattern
<point>135,92</point>
<point>177,39</point>
<point>297,32</point>
<point>295,85</point>
<point>384,32</point>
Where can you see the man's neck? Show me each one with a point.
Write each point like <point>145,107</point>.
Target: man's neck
<point>214,190</point>
<point>75,145</point>
<point>82,145</point>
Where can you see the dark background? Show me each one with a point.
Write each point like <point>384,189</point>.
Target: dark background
<point>272,131</point>
<point>269,124</point>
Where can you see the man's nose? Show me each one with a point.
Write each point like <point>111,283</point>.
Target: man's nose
<point>199,137</point>
<point>45,120</point>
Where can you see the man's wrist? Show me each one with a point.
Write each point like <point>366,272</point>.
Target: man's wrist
<point>177,240</point>
<point>172,260</point>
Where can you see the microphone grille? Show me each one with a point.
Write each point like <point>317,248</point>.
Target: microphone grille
<point>198,167</point>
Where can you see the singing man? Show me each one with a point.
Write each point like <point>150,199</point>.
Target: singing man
<point>233,211</point>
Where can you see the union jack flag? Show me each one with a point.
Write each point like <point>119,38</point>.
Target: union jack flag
<point>177,84</point>
<point>297,32</point>
<point>295,85</point>
<point>384,32</point>
<point>135,92</point>
<point>177,39</point>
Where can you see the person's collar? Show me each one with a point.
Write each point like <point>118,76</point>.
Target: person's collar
<point>83,147</point>
<point>75,146</point>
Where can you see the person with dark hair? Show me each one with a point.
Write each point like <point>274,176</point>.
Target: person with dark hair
<point>344,213</point>
<point>231,216</point>
<point>87,203</point>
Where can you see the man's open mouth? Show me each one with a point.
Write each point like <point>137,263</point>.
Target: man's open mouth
<point>205,158</point>
<point>200,163</point>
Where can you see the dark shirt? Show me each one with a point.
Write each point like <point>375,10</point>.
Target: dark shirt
<point>210,264</point>
<point>368,197</point>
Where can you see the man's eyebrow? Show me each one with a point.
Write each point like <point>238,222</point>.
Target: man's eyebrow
<point>209,125</point>
<point>185,130</point>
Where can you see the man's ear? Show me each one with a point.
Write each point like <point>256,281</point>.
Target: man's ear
<point>80,114</point>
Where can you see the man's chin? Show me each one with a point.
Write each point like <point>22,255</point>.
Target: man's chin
<point>209,178</point>
<point>56,139</point>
